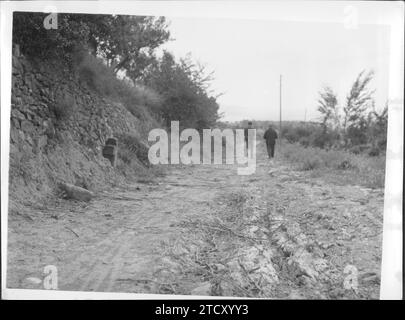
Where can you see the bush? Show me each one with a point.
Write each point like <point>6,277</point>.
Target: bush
<point>374,152</point>
<point>64,107</point>
<point>36,41</point>
<point>310,134</point>
<point>298,133</point>
<point>344,165</point>
<point>359,148</point>
<point>185,88</point>
<point>311,163</point>
<point>130,149</point>
<point>100,78</point>
<point>338,165</point>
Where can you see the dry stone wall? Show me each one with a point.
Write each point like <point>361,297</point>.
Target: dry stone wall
<point>58,128</point>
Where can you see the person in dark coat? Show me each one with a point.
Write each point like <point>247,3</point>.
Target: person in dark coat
<point>246,131</point>
<point>270,136</point>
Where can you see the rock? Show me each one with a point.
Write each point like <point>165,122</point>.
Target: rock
<point>203,290</point>
<point>32,283</point>
<point>16,100</point>
<point>219,267</point>
<point>370,277</point>
<point>40,143</point>
<point>337,293</point>
<point>27,126</point>
<point>16,64</point>
<point>15,122</point>
<point>34,280</point>
<point>17,114</point>
<point>295,295</point>
<point>29,140</point>
<point>14,135</point>
<point>75,192</point>
<point>226,289</point>
<point>49,128</point>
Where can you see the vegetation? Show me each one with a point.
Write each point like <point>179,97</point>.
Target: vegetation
<point>124,42</point>
<point>340,166</point>
<point>356,127</point>
<point>94,73</point>
<point>184,88</point>
<point>116,57</point>
<point>63,107</point>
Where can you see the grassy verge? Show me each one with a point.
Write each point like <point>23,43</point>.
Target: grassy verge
<point>338,166</point>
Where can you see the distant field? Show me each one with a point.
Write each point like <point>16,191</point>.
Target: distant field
<point>339,166</point>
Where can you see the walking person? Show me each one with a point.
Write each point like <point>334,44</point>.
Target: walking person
<point>246,131</point>
<point>270,136</point>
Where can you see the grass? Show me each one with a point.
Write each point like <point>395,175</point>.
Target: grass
<point>140,101</point>
<point>134,162</point>
<point>101,79</point>
<point>337,165</point>
<point>64,107</point>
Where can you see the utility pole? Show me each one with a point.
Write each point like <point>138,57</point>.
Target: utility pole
<point>281,77</point>
<point>305,117</point>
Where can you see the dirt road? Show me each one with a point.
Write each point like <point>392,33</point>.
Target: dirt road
<point>204,230</point>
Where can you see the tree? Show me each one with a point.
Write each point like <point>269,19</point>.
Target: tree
<point>36,41</point>
<point>131,43</point>
<point>327,106</point>
<point>358,101</point>
<point>125,42</point>
<point>377,128</point>
<point>184,88</point>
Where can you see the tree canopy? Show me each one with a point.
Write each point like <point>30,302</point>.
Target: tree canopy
<point>124,42</point>
<point>184,87</point>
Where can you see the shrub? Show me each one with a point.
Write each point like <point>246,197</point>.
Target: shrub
<point>297,133</point>
<point>358,149</point>
<point>98,76</point>
<point>345,164</point>
<point>339,165</point>
<point>304,141</point>
<point>130,149</point>
<point>63,107</point>
<point>311,163</point>
<point>374,152</point>
<point>101,78</point>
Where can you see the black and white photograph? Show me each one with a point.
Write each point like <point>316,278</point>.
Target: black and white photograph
<point>202,149</point>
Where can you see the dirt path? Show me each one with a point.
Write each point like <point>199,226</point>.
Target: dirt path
<point>205,230</point>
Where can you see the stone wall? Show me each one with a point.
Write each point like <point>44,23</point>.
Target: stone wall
<point>58,128</point>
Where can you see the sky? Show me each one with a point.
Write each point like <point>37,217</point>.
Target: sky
<point>249,55</point>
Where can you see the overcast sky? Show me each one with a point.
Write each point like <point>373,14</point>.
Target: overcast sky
<point>248,57</point>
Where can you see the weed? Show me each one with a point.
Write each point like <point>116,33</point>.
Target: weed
<point>102,79</point>
<point>340,165</point>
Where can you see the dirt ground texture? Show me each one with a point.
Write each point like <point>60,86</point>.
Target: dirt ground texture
<point>204,230</point>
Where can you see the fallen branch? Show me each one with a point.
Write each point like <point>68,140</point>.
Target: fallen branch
<point>73,232</point>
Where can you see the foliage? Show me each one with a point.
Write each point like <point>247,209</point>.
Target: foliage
<point>328,107</point>
<point>126,43</point>
<point>131,149</point>
<point>311,134</point>
<point>64,107</point>
<point>359,128</point>
<point>36,41</point>
<point>377,129</point>
<point>115,56</point>
<point>102,79</point>
<point>184,89</point>
<point>337,165</point>
<point>358,100</point>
